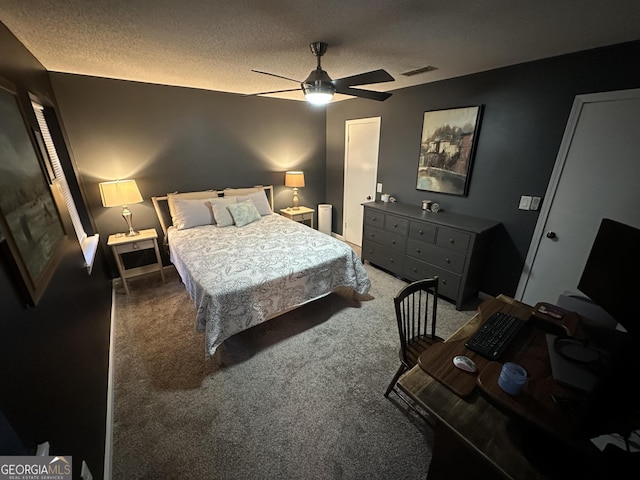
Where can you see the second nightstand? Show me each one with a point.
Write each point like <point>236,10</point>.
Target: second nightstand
<point>301,215</point>
<point>120,244</point>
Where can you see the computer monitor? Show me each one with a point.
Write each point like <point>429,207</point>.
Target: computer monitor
<point>611,276</point>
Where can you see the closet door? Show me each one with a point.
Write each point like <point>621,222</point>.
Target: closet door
<point>362,139</point>
<point>597,175</point>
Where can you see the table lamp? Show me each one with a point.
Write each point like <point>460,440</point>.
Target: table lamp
<point>294,180</point>
<point>120,194</point>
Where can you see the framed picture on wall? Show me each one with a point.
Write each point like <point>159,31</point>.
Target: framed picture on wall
<point>29,218</point>
<point>447,147</point>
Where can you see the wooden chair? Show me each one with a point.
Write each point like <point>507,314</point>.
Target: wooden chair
<point>416,310</point>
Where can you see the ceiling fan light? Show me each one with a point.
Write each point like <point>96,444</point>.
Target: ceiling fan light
<point>318,98</point>
<point>318,92</point>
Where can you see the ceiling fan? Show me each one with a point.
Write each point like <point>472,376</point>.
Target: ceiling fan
<point>318,88</point>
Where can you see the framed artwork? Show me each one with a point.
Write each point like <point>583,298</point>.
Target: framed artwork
<point>447,147</point>
<point>29,219</point>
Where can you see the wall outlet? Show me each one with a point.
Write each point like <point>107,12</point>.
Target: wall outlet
<point>525,202</point>
<point>535,203</point>
<point>379,188</point>
<point>85,473</point>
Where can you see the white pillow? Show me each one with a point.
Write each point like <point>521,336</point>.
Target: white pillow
<point>222,215</point>
<point>191,213</point>
<point>172,197</point>
<point>259,200</point>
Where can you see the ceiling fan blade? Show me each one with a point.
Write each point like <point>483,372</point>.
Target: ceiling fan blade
<point>375,76</point>
<point>369,94</point>
<point>274,91</point>
<point>274,75</point>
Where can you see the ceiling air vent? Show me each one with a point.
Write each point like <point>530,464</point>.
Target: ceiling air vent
<point>417,71</point>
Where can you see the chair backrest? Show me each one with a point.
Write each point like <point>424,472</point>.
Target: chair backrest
<point>416,312</point>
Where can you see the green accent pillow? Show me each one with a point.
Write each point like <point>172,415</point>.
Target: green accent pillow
<point>244,213</point>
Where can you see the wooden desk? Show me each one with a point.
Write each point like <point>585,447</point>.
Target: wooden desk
<point>475,436</point>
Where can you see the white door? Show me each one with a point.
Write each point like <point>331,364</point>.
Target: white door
<point>596,176</point>
<point>362,138</point>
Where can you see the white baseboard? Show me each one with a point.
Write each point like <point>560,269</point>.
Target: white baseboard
<point>108,441</point>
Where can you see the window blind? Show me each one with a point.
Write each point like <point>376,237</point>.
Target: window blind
<point>88,244</point>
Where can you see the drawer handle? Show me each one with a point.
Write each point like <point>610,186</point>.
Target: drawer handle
<point>444,282</point>
<point>420,232</point>
<point>391,260</point>
<point>395,225</point>
<point>417,250</point>
<point>393,242</point>
<point>415,270</point>
<point>373,219</point>
<point>447,260</point>
<point>135,245</point>
<point>452,241</point>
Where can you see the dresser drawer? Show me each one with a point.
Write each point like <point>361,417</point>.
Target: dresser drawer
<point>383,257</point>
<point>386,239</point>
<point>447,259</point>
<point>453,239</point>
<point>422,231</point>
<point>448,284</point>
<point>371,217</point>
<point>397,225</point>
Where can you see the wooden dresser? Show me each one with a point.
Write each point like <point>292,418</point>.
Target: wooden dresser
<point>414,244</point>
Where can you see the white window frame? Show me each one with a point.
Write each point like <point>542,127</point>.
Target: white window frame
<point>88,244</point>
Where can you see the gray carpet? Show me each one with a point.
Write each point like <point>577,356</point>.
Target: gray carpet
<point>298,397</point>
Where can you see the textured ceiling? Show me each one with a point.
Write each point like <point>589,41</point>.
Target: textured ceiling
<point>214,44</point>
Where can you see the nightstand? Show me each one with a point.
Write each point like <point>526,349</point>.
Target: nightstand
<point>146,240</point>
<point>301,215</point>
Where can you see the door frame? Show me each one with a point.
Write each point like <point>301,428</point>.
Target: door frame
<point>572,123</point>
<point>347,123</point>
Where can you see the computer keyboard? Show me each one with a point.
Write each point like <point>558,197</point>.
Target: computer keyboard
<point>495,335</point>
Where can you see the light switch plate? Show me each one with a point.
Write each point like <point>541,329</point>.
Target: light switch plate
<point>525,202</point>
<point>379,188</point>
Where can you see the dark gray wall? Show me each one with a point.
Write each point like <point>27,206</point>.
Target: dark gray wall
<point>173,138</point>
<point>526,108</point>
<point>53,357</point>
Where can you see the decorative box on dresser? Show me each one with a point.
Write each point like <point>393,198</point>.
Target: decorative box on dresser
<point>414,244</point>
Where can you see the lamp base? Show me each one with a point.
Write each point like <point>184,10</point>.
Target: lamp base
<point>295,199</point>
<point>126,214</point>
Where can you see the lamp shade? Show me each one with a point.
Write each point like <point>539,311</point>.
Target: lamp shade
<point>119,193</point>
<point>294,179</point>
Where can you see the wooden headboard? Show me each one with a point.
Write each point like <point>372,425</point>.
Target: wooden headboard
<point>162,209</point>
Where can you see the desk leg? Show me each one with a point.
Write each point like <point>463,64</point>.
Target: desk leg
<point>452,458</point>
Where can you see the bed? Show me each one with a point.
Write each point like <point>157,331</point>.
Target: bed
<point>242,264</point>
